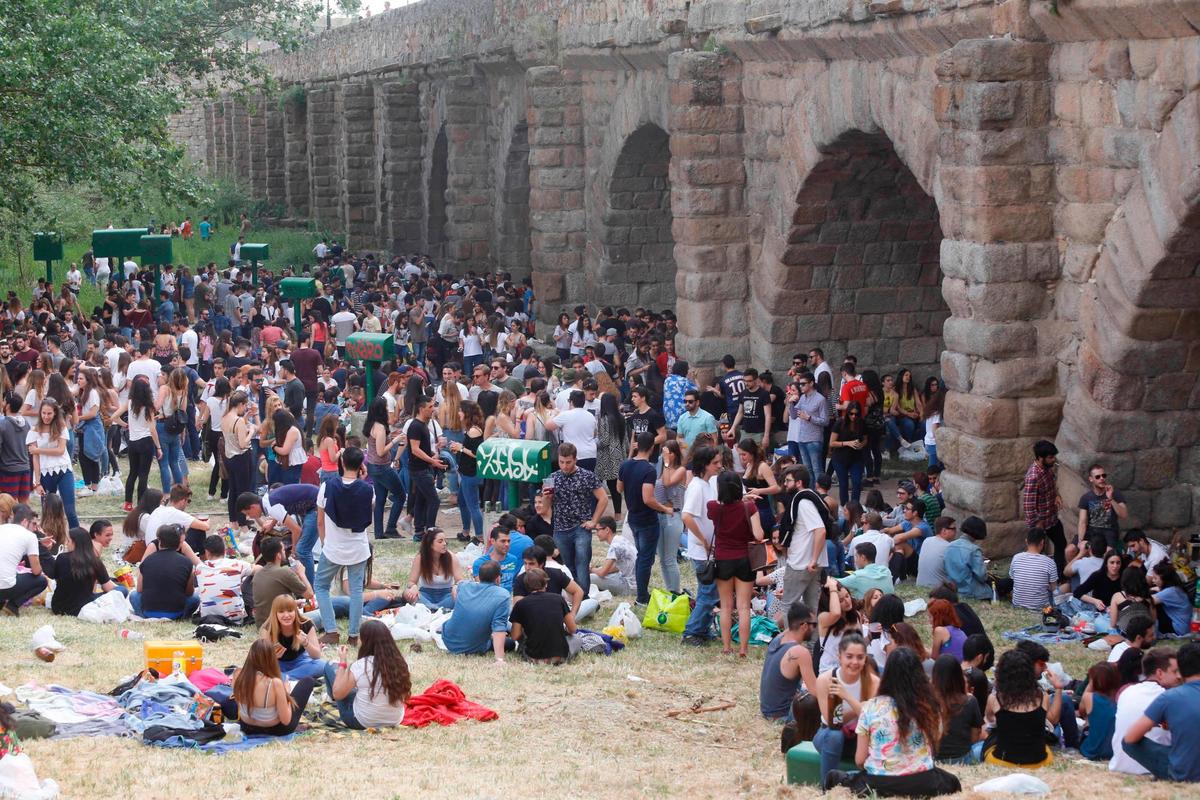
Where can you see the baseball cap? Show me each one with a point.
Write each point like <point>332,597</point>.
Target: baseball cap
<point>611,332</point>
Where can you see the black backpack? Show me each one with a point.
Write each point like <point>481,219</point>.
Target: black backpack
<point>787,525</point>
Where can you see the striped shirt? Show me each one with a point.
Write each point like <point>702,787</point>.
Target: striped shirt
<point>1032,575</point>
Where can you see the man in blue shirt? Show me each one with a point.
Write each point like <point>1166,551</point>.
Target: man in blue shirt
<point>1179,710</point>
<point>963,561</point>
<point>508,564</point>
<point>694,420</point>
<point>479,621</point>
<point>635,481</point>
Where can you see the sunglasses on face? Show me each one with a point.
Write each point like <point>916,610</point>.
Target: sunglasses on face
<point>1100,477</point>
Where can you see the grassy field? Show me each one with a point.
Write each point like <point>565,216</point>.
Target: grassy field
<point>594,728</point>
<point>288,246</point>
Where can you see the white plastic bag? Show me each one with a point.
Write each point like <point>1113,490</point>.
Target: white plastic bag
<point>1014,783</point>
<point>44,637</point>
<point>108,608</point>
<point>18,779</point>
<point>468,555</point>
<point>625,617</point>
<point>598,594</point>
<point>914,607</point>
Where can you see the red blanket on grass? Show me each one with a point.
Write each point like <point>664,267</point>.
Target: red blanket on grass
<point>444,703</point>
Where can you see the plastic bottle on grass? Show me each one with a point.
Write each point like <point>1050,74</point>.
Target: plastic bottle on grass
<point>125,633</point>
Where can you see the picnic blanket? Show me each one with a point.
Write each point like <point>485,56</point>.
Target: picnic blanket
<point>221,747</point>
<point>1036,633</point>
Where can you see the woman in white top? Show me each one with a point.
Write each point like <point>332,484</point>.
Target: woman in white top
<point>371,692</point>
<point>931,412</point>
<point>47,440</point>
<point>435,574</point>
<point>211,413</point>
<point>840,693</point>
<point>34,394</point>
<point>92,445</point>
<point>584,335</point>
<point>289,448</point>
<point>562,339</point>
<point>143,438</point>
<point>236,433</point>
<point>471,345</point>
<point>836,617</point>
<point>172,403</point>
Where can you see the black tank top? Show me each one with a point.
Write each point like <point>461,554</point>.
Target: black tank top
<point>466,464</point>
<point>1019,737</point>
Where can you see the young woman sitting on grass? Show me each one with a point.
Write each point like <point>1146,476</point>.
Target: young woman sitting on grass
<point>1021,710</point>
<point>371,692</point>
<point>840,692</point>
<point>260,702</point>
<point>293,640</point>
<point>962,717</point>
<point>1099,707</point>
<point>898,731</point>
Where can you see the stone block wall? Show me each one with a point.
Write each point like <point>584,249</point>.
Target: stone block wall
<point>983,190</point>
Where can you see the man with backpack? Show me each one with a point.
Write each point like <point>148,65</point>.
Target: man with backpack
<point>802,533</point>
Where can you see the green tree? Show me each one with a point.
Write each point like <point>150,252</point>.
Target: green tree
<point>87,86</point>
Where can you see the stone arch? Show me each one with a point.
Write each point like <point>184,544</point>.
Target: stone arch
<point>513,249</point>
<point>637,264</point>
<point>857,125</point>
<point>1134,400</point>
<point>439,173</point>
<point>859,272</point>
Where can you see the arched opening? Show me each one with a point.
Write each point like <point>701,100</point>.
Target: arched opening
<point>439,171</point>
<point>862,274</point>
<point>638,263</point>
<point>513,244</point>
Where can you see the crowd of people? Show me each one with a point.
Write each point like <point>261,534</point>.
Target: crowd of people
<point>769,488</point>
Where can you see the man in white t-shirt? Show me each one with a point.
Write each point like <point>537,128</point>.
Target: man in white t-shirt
<point>113,354</point>
<point>578,427</point>
<point>19,540</point>
<point>345,322</point>
<point>1162,673</point>
<point>191,340</point>
<point>617,574</point>
<point>172,513</point>
<point>874,535</point>
<point>75,279</point>
<point>706,464</point>
<point>130,267</point>
<point>344,513</point>
<point>806,553</point>
<point>146,367</point>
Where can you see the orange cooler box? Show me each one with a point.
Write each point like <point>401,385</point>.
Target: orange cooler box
<point>164,656</point>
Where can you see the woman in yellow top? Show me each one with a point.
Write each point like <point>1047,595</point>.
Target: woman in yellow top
<point>907,410</point>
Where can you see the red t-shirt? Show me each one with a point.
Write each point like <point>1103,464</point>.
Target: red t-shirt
<point>732,529</point>
<point>857,391</point>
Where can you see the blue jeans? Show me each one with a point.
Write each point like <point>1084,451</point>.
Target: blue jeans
<point>172,468</point>
<point>356,576</point>
<point>849,481</point>
<point>646,539</point>
<point>345,706</point>
<point>468,503</point>
<point>670,529</point>
<point>306,543</point>
<point>373,607</point>
<point>931,452</point>
<point>190,606</point>
<point>284,475</point>
<point>1151,755</point>
<point>433,599</point>
<point>386,481</point>
<point>469,363</point>
<point>303,666</point>
<point>891,433</point>
<point>63,484</point>
<point>830,743</point>
<point>808,454</point>
<point>424,499</point>
<point>575,549</point>
<point>699,623</point>
<point>837,557</point>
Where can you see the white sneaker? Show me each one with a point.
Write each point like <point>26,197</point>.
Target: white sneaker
<point>84,492</point>
<point>212,497</point>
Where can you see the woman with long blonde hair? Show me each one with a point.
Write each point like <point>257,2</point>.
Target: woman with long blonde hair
<point>293,639</point>
<point>35,393</point>
<point>266,432</point>
<point>172,402</point>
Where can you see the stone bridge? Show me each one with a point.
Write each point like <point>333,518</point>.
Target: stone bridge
<point>1007,189</point>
